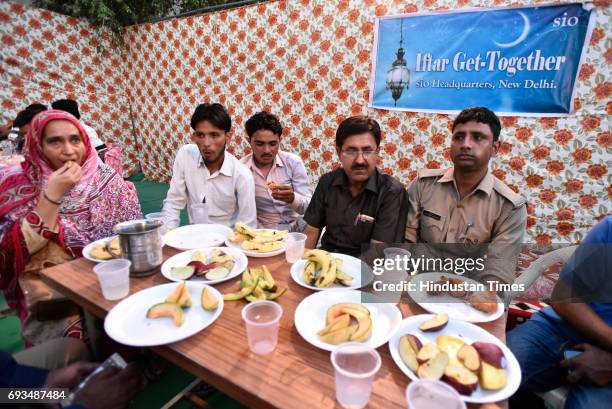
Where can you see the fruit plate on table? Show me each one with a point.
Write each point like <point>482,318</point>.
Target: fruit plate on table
<point>311,317</point>
<point>456,308</point>
<point>351,266</point>
<point>256,254</point>
<point>196,236</point>
<point>205,256</point>
<point>455,333</point>
<point>128,324</point>
<point>98,248</point>
<point>257,242</point>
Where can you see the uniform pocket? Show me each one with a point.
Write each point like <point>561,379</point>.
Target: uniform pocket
<point>431,229</point>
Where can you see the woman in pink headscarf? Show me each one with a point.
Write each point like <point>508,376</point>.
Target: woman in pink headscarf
<point>56,202</point>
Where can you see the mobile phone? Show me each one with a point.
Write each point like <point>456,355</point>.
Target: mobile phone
<point>113,361</point>
<point>571,353</point>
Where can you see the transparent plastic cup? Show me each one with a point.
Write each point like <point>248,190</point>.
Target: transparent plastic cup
<point>114,278</point>
<point>400,256</point>
<point>294,246</point>
<point>198,213</point>
<point>262,321</point>
<point>159,216</point>
<point>430,394</point>
<point>355,367</point>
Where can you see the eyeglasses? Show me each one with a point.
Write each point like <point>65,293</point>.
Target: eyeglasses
<point>354,153</point>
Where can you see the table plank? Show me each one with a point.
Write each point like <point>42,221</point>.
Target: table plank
<point>220,354</point>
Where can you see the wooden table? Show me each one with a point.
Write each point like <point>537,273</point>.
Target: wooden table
<point>296,375</point>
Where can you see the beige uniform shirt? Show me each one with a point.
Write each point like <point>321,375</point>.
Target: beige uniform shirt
<point>493,213</point>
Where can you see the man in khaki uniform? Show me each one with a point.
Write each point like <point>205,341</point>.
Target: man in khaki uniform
<point>467,204</point>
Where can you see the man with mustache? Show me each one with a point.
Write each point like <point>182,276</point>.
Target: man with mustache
<point>282,188</point>
<point>356,204</point>
<point>467,204</point>
<point>204,172</point>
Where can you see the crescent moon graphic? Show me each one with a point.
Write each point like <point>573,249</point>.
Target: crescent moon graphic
<point>521,37</point>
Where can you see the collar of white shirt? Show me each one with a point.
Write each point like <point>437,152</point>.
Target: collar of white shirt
<point>249,162</point>
<point>227,168</point>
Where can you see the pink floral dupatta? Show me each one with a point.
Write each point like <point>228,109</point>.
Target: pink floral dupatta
<point>88,212</point>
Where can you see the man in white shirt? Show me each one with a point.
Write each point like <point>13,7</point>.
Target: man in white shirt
<point>204,172</point>
<point>282,188</point>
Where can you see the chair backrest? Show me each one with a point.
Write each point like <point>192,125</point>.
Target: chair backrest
<point>539,266</point>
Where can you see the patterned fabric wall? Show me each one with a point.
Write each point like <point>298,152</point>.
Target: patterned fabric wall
<point>309,62</point>
<point>46,56</point>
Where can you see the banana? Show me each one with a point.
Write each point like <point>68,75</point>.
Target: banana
<point>262,247</point>
<point>327,277</point>
<point>308,274</point>
<point>237,237</point>
<point>342,277</point>
<point>321,257</point>
<point>267,239</point>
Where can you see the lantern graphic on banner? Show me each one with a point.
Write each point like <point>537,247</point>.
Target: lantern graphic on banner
<point>398,77</point>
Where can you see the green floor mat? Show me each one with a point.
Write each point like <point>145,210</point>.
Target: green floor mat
<point>152,194</point>
<point>10,328</point>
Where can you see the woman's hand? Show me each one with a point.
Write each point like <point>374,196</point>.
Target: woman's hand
<point>62,180</point>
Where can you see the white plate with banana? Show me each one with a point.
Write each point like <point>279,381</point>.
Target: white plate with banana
<point>211,265</point>
<point>96,250</point>
<point>257,242</point>
<point>328,318</point>
<point>196,236</point>
<point>321,270</point>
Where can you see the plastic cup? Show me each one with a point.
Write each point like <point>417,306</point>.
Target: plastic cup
<point>159,216</point>
<point>198,213</point>
<point>430,394</point>
<point>262,321</point>
<point>392,253</point>
<point>114,278</point>
<point>355,367</point>
<point>294,246</point>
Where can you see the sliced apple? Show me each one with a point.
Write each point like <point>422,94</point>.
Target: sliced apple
<point>434,368</point>
<point>415,342</point>
<point>336,310</point>
<point>427,352</point>
<point>200,267</point>
<point>468,356</point>
<point>491,354</point>
<point>438,322</point>
<point>450,345</point>
<point>460,378</point>
<point>183,272</point>
<point>167,309</point>
<point>209,301</point>
<point>492,378</point>
<point>408,353</point>
<point>342,321</point>
<point>339,336</point>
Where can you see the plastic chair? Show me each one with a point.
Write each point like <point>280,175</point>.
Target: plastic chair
<point>539,266</point>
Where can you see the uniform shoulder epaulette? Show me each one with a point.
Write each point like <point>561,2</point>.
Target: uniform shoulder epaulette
<point>429,173</point>
<point>516,199</point>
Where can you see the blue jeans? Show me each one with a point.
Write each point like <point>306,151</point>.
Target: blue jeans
<point>538,346</point>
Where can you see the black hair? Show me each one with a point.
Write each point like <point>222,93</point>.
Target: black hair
<point>25,117</point>
<point>68,105</point>
<point>263,120</point>
<point>482,115</point>
<point>215,113</point>
<point>356,125</point>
